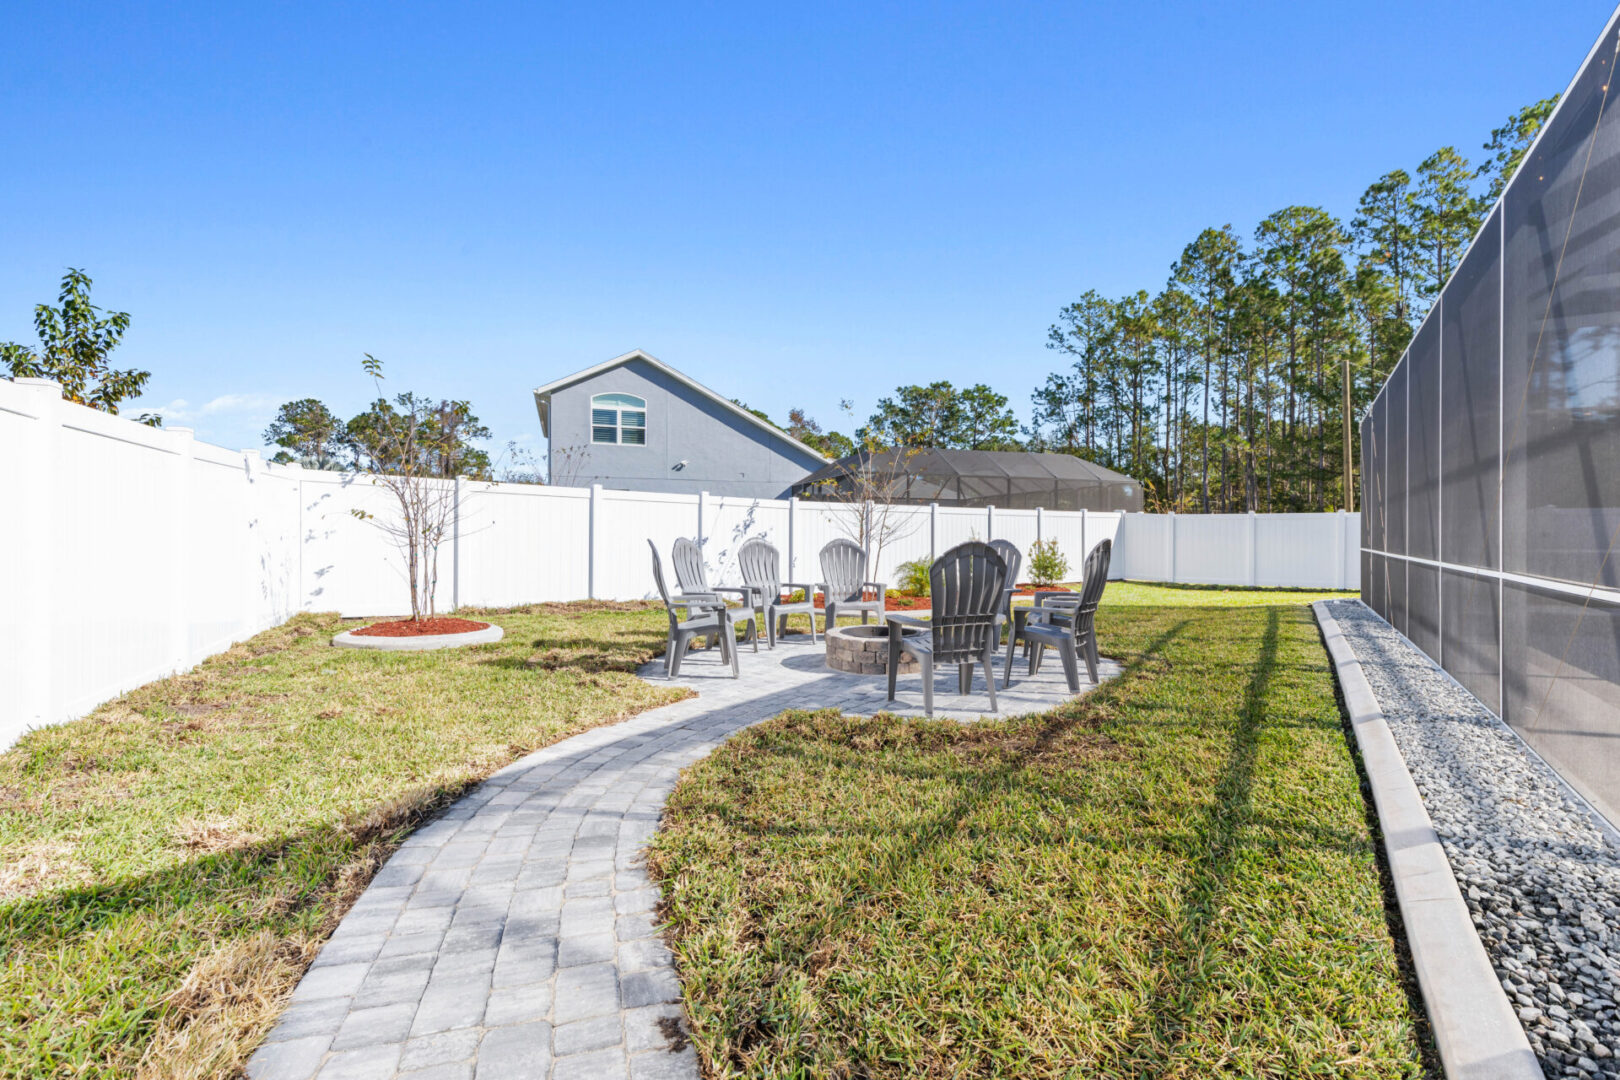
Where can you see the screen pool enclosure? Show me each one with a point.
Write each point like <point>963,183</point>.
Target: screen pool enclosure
<point>1491,457</point>
<point>1013,480</point>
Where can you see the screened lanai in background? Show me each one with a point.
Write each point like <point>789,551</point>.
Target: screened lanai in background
<point>1015,480</point>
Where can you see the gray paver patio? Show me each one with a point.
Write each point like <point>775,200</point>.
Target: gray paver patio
<point>515,935</point>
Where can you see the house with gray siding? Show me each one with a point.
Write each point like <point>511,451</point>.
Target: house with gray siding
<point>635,423</point>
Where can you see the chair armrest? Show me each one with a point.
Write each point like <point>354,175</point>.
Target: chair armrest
<point>904,620</point>
<point>741,590</point>
<point>879,587</point>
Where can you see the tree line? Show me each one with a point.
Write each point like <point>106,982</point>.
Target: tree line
<point>1229,388</point>
<point>1236,386</point>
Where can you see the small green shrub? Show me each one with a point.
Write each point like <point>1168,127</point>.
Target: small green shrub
<point>914,577</point>
<point>1047,566</point>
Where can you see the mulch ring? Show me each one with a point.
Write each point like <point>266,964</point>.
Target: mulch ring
<point>424,628</point>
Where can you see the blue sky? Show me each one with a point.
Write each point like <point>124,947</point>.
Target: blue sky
<point>793,206</point>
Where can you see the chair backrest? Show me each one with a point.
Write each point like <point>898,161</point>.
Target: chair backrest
<point>688,560</point>
<point>1096,576</point>
<point>843,569</point>
<point>761,566</point>
<point>663,590</point>
<point>965,592</point>
<point>1012,557</point>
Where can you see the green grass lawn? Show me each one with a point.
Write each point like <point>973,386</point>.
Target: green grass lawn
<point>170,864</point>
<point>1172,877</point>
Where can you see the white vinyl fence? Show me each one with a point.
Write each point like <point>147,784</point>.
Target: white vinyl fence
<point>131,552</point>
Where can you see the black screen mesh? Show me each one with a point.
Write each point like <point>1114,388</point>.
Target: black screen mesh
<point>1561,343</point>
<point>1495,446</point>
<point>1395,462</point>
<point>1470,628</point>
<point>1470,420</point>
<point>1423,607</point>
<point>1423,442</point>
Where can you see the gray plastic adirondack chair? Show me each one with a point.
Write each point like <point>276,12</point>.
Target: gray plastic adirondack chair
<point>761,565</point>
<point>966,588</point>
<point>702,615</point>
<point>1015,562</point>
<point>1070,628</point>
<point>844,584</point>
<point>694,577</point>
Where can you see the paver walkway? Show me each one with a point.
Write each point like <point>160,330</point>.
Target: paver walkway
<point>513,938</point>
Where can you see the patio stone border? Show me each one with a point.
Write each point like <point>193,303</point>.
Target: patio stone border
<point>350,640</point>
<point>1476,1031</point>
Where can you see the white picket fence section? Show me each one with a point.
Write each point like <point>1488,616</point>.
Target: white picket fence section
<point>131,553</point>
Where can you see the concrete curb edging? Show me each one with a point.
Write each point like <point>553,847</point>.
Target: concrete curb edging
<point>349,640</point>
<point>1475,1028</point>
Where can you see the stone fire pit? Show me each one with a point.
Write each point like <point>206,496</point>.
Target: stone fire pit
<point>864,650</point>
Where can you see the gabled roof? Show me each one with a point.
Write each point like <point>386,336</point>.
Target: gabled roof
<point>542,396</point>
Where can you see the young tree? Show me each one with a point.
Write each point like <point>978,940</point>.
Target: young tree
<point>309,434</point>
<point>414,449</point>
<point>1508,144</point>
<point>74,342</point>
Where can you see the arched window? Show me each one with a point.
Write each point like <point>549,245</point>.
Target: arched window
<point>619,418</point>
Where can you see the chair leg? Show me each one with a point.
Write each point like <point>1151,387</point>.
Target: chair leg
<point>1012,647</point>
<point>926,663</point>
<point>730,633</point>
<point>681,641</point>
<point>669,655</point>
<point>894,664</point>
<point>1091,657</point>
<point>1036,651</point>
<point>1071,666</point>
<point>812,625</point>
<point>990,672</point>
<point>964,677</point>
<point>863,616</point>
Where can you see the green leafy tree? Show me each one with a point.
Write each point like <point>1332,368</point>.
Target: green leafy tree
<point>939,415</point>
<point>1447,214</point>
<point>830,444</point>
<point>1066,414</point>
<point>1386,226</point>
<point>1208,271</point>
<point>309,434</point>
<point>983,421</point>
<point>75,339</point>
<point>441,438</point>
<point>1508,144</point>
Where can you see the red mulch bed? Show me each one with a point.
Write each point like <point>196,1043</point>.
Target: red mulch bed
<point>1026,589</point>
<point>411,628</point>
<point>891,602</point>
<point>907,602</point>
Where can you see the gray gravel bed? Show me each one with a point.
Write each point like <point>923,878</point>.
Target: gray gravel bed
<point>1540,871</point>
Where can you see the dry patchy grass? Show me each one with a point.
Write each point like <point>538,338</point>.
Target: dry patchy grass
<point>172,862</point>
